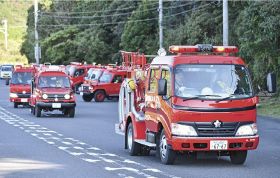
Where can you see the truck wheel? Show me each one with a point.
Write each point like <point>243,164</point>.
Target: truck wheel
<point>238,157</point>
<point>87,98</point>
<point>134,148</point>
<point>71,112</point>
<point>167,155</point>
<point>99,96</point>
<point>38,111</point>
<point>32,110</point>
<point>15,105</point>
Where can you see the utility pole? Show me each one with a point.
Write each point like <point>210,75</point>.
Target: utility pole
<point>5,31</point>
<point>160,24</point>
<point>225,22</point>
<point>37,50</point>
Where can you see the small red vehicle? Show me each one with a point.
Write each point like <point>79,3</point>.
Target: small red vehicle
<point>104,83</point>
<point>20,85</point>
<point>200,101</point>
<point>77,73</point>
<point>51,90</point>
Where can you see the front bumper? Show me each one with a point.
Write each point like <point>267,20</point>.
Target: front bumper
<point>203,143</point>
<point>50,105</point>
<point>20,100</point>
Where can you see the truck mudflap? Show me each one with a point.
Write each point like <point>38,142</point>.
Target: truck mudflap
<point>213,143</point>
<point>55,105</point>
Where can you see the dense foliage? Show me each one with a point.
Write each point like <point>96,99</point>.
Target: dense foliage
<point>94,31</point>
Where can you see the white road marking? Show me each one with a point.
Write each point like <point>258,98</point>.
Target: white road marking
<point>86,151</point>
<point>90,160</point>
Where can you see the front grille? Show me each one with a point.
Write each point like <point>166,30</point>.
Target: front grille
<point>207,129</point>
<point>53,96</point>
<point>85,88</point>
<point>21,95</point>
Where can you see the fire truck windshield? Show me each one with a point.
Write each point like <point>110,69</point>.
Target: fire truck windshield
<point>54,82</point>
<point>212,81</point>
<point>105,77</point>
<point>93,74</point>
<point>21,78</point>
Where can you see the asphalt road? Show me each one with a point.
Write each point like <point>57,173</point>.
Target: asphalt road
<point>87,146</point>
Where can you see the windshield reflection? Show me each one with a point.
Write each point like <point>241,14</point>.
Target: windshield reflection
<point>212,81</point>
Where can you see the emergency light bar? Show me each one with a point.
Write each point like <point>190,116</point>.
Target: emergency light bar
<point>203,48</point>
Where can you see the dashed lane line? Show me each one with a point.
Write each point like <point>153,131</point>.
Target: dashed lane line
<point>123,167</point>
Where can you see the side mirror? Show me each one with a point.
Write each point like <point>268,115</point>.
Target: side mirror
<point>271,82</point>
<point>162,87</point>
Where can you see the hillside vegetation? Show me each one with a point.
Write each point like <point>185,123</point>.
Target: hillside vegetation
<point>95,31</point>
<point>16,14</point>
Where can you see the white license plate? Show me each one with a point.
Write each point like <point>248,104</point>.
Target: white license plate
<point>218,144</point>
<point>56,105</point>
<point>81,93</point>
<point>25,100</point>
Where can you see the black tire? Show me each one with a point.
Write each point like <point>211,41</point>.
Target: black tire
<point>87,98</point>
<point>99,96</point>
<point>238,157</point>
<point>7,81</point>
<point>32,110</point>
<point>71,112</point>
<point>167,155</point>
<point>15,105</point>
<point>134,148</point>
<point>38,111</point>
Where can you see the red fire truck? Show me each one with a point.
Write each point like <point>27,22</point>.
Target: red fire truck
<point>51,90</point>
<point>104,83</point>
<point>20,85</point>
<point>77,73</point>
<point>200,101</point>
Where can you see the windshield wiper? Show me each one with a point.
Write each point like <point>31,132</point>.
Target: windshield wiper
<point>199,97</point>
<point>191,98</point>
<point>225,98</point>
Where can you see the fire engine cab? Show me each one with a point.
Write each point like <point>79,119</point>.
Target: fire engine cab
<point>20,85</point>
<point>198,101</point>
<point>51,90</point>
<point>104,83</point>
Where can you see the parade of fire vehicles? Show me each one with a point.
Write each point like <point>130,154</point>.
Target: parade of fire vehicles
<point>200,100</point>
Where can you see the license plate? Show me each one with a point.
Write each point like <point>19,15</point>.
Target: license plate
<point>218,144</point>
<point>25,100</point>
<point>56,105</point>
<point>81,93</point>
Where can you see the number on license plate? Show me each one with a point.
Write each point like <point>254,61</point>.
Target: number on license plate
<point>56,105</point>
<point>24,100</point>
<point>218,145</point>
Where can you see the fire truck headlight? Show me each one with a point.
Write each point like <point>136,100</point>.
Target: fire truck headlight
<point>182,130</point>
<point>250,129</point>
<point>67,96</point>
<point>13,95</point>
<point>44,96</point>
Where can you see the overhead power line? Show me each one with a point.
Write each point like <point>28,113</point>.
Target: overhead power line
<point>129,21</point>
<point>91,12</point>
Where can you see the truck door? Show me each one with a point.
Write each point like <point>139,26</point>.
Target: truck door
<point>152,99</point>
<point>116,83</point>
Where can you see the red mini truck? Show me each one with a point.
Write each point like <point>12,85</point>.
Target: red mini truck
<point>106,83</point>
<point>200,101</point>
<point>77,73</point>
<point>20,85</point>
<point>51,90</point>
